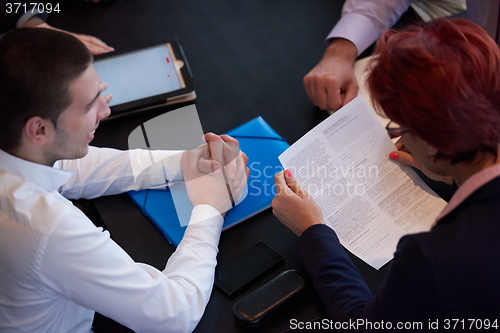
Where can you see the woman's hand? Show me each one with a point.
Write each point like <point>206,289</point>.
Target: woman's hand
<point>405,157</point>
<point>293,206</point>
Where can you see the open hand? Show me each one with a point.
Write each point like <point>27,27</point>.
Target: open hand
<point>94,44</point>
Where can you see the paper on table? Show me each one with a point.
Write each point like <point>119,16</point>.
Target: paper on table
<point>369,200</point>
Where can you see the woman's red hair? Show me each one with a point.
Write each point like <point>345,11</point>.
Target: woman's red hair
<point>442,82</point>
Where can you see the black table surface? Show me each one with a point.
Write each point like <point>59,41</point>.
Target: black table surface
<point>248,59</point>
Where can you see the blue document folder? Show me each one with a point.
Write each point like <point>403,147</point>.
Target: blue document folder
<point>262,145</point>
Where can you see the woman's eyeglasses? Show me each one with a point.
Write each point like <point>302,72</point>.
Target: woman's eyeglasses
<point>394,130</point>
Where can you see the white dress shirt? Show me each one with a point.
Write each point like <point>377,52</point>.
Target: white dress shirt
<point>57,268</point>
<point>363,21</point>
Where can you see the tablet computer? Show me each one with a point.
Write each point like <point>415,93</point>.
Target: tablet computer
<point>145,78</point>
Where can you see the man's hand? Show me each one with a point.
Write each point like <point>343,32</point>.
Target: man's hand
<point>108,97</point>
<point>204,188</point>
<point>215,170</point>
<point>224,150</point>
<point>332,84</point>
<point>293,206</point>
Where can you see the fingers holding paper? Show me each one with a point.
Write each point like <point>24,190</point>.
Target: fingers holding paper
<point>402,155</point>
<point>293,206</point>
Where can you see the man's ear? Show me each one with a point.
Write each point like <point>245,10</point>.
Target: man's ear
<point>38,130</point>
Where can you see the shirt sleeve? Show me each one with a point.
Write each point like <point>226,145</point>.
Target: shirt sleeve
<point>363,21</point>
<point>336,279</point>
<point>106,171</point>
<point>407,293</point>
<point>81,263</point>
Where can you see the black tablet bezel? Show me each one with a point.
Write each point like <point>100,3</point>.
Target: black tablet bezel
<point>161,99</point>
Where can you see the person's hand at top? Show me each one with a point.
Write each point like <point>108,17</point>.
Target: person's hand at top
<point>94,44</point>
<point>293,206</point>
<point>331,83</point>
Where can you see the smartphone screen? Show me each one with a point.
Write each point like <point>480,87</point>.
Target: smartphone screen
<point>248,266</point>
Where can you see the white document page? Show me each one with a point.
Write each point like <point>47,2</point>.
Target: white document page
<point>369,200</point>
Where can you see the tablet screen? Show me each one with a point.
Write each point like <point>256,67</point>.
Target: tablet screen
<point>139,74</point>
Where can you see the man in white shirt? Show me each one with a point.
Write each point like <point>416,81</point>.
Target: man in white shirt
<point>56,267</point>
<point>331,83</point>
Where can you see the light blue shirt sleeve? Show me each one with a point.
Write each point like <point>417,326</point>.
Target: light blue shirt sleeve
<point>363,21</point>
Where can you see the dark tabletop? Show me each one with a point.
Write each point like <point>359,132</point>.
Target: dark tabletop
<point>248,59</point>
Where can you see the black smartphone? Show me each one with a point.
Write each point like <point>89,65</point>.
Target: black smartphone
<point>248,266</point>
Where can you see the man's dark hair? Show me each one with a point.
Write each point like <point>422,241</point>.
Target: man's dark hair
<point>37,66</point>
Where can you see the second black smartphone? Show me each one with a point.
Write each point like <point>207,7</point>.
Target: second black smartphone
<point>246,267</point>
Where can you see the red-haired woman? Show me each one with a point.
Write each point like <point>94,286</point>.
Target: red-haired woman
<point>440,86</point>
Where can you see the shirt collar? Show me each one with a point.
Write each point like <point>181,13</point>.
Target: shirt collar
<point>48,178</point>
<point>468,187</point>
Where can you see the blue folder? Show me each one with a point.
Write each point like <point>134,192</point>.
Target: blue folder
<point>262,145</point>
